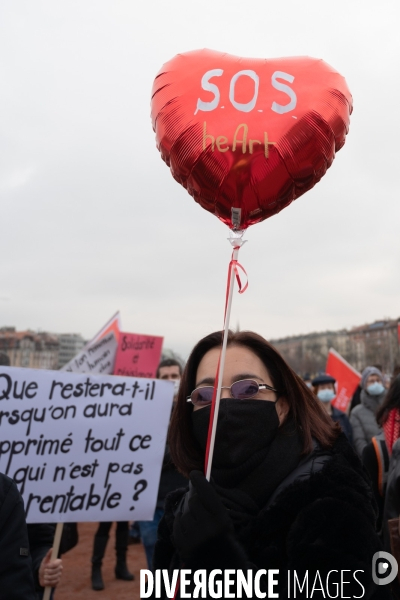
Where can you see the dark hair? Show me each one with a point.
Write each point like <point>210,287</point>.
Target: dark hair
<point>392,400</point>
<point>306,411</point>
<point>168,362</point>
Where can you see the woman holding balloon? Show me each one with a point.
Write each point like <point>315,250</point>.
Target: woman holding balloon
<point>287,492</point>
<point>285,495</point>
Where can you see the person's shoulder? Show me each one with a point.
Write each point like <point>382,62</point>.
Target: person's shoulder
<point>340,454</point>
<point>344,480</point>
<point>345,469</point>
<point>11,503</point>
<point>322,468</point>
<point>338,481</point>
<point>8,488</point>
<point>343,450</point>
<point>5,482</point>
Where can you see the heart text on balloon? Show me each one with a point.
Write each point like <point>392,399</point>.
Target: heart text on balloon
<point>221,141</point>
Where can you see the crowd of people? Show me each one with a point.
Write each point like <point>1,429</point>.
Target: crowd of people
<point>296,484</point>
<point>372,427</point>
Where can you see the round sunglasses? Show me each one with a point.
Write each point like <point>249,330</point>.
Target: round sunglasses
<point>243,390</point>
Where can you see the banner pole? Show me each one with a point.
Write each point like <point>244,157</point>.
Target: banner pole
<point>54,555</point>
<point>221,366</point>
<point>236,241</point>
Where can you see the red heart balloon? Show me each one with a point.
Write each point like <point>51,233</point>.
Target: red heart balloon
<point>247,136</point>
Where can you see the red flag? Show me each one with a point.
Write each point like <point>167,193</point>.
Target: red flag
<point>114,325</point>
<point>347,379</point>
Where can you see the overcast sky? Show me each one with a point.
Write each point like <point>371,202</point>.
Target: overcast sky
<point>92,220</point>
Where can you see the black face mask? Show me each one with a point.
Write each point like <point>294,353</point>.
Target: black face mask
<point>245,430</point>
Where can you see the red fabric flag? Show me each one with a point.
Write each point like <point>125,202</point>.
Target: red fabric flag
<point>114,325</point>
<point>347,379</point>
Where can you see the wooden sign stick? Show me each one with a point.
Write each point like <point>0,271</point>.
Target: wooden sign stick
<point>54,554</point>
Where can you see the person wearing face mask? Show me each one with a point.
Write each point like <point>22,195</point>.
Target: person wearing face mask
<point>363,416</point>
<point>324,388</point>
<point>287,491</point>
<point>169,369</point>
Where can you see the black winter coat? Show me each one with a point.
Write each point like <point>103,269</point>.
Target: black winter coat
<point>16,577</point>
<point>321,521</point>
<point>170,479</point>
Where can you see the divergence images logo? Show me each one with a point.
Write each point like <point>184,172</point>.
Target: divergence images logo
<point>384,568</point>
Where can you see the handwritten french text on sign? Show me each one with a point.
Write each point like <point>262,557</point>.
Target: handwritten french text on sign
<point>138,355</point>
<point>96,357</point>
<point>83,447</point>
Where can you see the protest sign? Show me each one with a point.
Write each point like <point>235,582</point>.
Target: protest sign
<point>83,447</point>
<point>114,324</point>
<point>138,355</point>
<point>347,379</point>
<point>96,357</point>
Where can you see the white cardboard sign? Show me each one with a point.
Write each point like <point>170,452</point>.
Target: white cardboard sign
<point>96,357</point>
<point>83,447</point>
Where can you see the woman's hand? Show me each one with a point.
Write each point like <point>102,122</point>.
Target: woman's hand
<point>50,571</point>
<point>203,518</point>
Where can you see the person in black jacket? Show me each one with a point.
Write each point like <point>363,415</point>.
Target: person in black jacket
<point>287,491</point>
<point>39,536</point>
<point>16,576</point>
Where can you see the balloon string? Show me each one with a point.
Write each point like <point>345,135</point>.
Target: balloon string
<point>233,269</point>
<point>234,266</point>
<point>207,459</point>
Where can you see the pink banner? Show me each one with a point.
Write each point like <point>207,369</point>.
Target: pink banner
<point>347,379</point>
<point>138,355</point>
